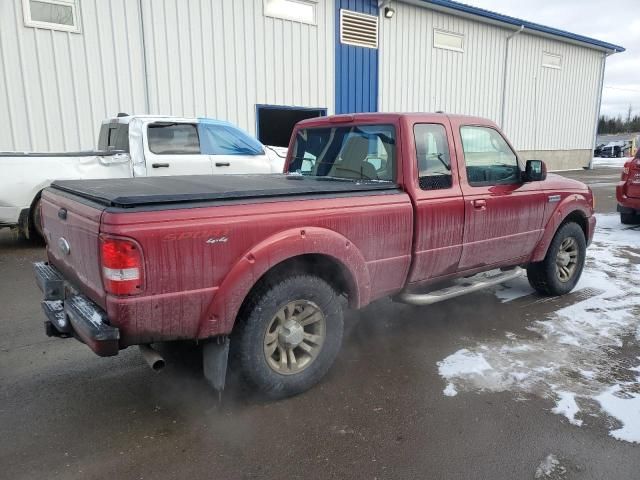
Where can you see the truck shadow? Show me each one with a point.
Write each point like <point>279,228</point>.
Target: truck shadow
<point>10,239</point>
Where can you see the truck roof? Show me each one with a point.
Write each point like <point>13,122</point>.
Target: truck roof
<point>426,117</point>
<point>167,118</point>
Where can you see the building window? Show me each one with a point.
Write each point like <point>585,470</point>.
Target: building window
<point>52,14</point>
<point>551,60</point>
<point>448,40</point>
<point>303,11</point>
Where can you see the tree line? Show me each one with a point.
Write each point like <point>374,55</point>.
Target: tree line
<point>619,124</point>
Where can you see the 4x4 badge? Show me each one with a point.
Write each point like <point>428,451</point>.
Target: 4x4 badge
<point>217,240</point>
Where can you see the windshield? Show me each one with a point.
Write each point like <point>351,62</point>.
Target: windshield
<point>362,152</point>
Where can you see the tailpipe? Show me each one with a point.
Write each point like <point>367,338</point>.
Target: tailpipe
<point>152,357</point>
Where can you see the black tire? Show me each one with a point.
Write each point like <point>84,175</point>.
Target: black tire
<point>544,276</point>
<point>35,222</point>
<point>248,340</point>
<point>629,218</point>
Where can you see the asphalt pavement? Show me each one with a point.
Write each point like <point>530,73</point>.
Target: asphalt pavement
<point>379,414</point>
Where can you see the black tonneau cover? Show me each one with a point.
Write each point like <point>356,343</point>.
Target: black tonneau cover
<point>136,192</point>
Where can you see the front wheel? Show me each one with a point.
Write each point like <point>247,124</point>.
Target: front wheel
<point>561,268</point>
<point>288,336</point>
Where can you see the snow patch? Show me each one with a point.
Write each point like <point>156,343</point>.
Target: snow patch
<point>568,407</point>
<point>572,354</point>
<point>463,362</point>
<point>624,407</point>
<point>514,289</point>
<point>450,390</point>
<point>609,162</point>
<point>549,466</point>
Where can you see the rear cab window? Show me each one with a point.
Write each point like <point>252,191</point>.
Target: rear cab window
<point>357,153</point>
<point>114,136</point>
<point>432,153</point>
<point>488,158</point>
<point>173,139</point>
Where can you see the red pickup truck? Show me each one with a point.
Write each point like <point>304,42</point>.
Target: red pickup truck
<point>628,191</point>
<point>423,207</point>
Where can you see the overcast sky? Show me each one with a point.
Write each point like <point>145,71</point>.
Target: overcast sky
<point>613,21</point>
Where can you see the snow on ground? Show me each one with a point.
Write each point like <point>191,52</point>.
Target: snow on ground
<point>610,162</point>
<point>550,466</point>
<point>575,355</point>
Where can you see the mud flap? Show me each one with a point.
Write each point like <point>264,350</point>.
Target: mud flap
<point>215,356</point>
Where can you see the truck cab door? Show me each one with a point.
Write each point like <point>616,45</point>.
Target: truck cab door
<point>503,215</point>
<point>439,206</point>
<point>173,148</point>
<point>232,151</point>
<point>240,164</point>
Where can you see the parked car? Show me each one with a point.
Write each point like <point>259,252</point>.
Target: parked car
<point>628,191</point>
<point>423,207</point>
<point>615,150</point>
<point>598,150</point>
<point>131,146</point>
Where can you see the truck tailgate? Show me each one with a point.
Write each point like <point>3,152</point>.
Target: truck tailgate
<point>71,228</point>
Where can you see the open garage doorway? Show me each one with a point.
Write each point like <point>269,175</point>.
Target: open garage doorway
<point>275,122</point>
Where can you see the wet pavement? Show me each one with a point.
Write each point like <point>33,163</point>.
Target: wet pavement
<point>380,413</point>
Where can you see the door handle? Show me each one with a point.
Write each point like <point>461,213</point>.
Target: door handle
<point>223,164</point>
<point>160,165</point>
<point>480,204</point>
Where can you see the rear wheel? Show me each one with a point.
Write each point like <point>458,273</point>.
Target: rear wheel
<point>561,268</point>
<point>629,218</point>
<point>35,223</point>
<point>288,336</point>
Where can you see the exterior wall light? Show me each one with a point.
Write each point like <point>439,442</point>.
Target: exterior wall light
<point>389,12</point>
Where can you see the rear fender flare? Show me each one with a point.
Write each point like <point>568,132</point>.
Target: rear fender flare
<point>221,314</point>
<point>571,203</point>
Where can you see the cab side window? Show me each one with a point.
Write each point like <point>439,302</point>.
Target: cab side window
<point>488,157</point>
<point>219,139</point>
<point>434,161</point>
<point>173,139</point>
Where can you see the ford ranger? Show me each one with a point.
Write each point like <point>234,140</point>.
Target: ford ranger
<point>131,146</point>
<point>421,207</point>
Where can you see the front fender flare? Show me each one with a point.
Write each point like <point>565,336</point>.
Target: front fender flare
<point>571,203</point>
<point>221,314</point>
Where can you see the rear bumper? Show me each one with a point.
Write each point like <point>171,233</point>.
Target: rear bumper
<point>628,204</point>
<point>71,314</point>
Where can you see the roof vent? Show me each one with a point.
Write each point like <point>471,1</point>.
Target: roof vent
<point>358,29</point>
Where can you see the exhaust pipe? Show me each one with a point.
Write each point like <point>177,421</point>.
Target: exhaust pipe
<point>152,357</point>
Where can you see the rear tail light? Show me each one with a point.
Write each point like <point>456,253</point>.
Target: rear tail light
<point>632,166</point>
<point>122,266</point>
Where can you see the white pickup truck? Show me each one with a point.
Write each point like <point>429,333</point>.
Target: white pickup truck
<point>131,146</point>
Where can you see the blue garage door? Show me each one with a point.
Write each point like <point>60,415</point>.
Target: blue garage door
<point>356,66</point>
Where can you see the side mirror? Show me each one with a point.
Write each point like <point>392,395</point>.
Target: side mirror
<point>535,171</point>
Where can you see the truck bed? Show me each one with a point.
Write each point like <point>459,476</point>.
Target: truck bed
<point>137,192</point>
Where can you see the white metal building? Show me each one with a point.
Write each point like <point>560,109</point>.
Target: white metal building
<point>264,64</point>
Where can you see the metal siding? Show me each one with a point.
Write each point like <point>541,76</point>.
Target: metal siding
<point>356,74</point>
<point>550,109</point>
<point>217,58</point>
<point>415,76</point>
<point>58,86</point>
